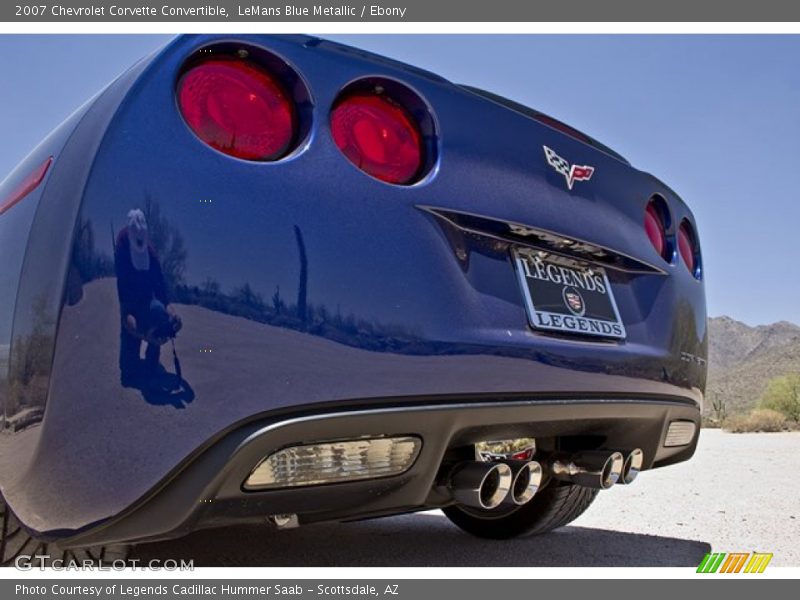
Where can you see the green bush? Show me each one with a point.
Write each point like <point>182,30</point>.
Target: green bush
<point>759,420</point>
<point>783,395</point>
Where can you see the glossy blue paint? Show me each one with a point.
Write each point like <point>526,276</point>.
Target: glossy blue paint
<point>305,282</point>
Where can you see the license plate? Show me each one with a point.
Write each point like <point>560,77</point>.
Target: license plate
<point>562,296</point>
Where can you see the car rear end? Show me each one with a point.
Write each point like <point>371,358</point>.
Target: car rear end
<point>370,324</point>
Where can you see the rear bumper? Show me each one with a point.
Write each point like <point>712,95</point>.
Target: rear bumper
<point>207,491</point>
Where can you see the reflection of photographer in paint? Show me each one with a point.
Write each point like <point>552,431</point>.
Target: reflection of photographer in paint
<point>145,311</point>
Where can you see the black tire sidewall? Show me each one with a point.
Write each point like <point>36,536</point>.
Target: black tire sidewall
<point>552,507</point>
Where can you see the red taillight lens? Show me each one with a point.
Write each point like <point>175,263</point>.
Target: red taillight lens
<point>27,185</point>
<point>238,108</point>
<point>379,136</point>
<point>687,246</point>
<point>654,226</point>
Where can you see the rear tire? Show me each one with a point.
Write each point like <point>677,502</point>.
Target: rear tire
<point>16,541</point>
<point>552,507</point>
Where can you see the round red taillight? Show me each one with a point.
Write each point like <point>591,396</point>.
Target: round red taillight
<point>687,246</point>
<point>238,108</point>
<point>654,226</point>
<point>379,136</point>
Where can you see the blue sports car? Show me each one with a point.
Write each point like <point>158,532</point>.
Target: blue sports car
<point>275,279</point>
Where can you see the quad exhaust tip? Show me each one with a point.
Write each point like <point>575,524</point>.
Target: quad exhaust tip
<point>526,479</point>
<point>598,469</point>
<point>632,466</point>
<point>480,484</point>
<point>487,485</point>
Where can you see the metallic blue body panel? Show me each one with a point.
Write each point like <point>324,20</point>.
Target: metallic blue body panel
<point>307,282</point>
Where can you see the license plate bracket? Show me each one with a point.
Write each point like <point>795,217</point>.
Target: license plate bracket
<point>564,296</point>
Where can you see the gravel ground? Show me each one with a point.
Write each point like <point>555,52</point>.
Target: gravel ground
<point>740,493</point>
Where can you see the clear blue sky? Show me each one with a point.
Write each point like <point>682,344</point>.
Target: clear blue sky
<point>716,117</point>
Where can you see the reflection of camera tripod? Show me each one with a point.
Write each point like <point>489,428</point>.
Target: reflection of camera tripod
<point>173,389</point>
<point>176,362</point>
<point>168,330</point>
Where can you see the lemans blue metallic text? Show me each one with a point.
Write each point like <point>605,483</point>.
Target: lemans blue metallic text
<point>274,279</point>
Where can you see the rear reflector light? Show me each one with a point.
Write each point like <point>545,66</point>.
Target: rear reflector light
<point>334,462</point>
<point>27,185</point>
<point>238,108</point>
<point>655,228</point>
<point>680,433</point>
<point>379,136</point>
<point>687,246</point>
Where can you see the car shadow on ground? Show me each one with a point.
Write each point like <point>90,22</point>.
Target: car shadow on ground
<point>422,540</point>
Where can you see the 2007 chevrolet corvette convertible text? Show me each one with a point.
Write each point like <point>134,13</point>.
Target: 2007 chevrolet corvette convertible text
<point>277,278</point>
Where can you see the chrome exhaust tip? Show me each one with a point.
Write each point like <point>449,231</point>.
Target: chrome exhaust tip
<point>598,469</point>
<point>525,482</point>
<point>632,465</point>
<point>480,484</point>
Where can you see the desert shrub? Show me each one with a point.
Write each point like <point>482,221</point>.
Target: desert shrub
<point>759,420</point>
<point>783,395</point>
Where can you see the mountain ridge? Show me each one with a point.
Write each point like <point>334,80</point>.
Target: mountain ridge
<point>744,358</point>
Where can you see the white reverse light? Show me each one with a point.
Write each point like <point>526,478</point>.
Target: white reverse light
<point>333,462</point>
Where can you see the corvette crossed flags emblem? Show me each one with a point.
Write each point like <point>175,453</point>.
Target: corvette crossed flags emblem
<point>571,173</point>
